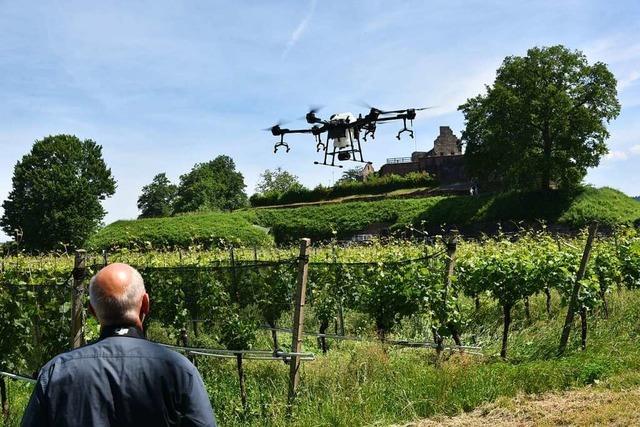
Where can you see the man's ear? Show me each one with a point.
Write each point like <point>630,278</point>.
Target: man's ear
<point>144,308</point>
<point>92,311</point>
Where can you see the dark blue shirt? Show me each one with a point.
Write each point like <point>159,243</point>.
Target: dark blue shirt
<point>120,380</point>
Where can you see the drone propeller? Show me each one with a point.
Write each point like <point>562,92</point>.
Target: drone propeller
<point>406,109</point>
<point>311,117</point>
<point>276,126</point>
<point>381,111</point>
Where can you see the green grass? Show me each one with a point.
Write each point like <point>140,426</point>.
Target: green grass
<point>210,230</point>
<point>364,383</point>
<point>342,220</point>
<point>574,210</point>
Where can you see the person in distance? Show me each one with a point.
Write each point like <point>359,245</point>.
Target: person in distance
<point>121,379</point>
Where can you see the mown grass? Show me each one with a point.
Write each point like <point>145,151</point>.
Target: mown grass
<point>213,229</point>
<point>366,383</point>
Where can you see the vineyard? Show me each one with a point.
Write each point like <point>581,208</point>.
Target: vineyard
<point>399,329</point>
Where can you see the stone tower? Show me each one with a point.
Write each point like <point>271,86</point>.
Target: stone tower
<point>446,144</point>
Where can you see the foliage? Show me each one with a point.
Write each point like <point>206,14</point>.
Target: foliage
<point>276,182</point>
<point>157,198</point>
<point>344,188</point>
<point>214,229</point>
<point>351,384</point>
<point>543,121</point>
<point>215,185</point>
<point>351,175</point>
<point>571,208</point>
<point>57,189</point>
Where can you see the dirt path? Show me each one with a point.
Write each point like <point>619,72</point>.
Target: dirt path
<point>584,407</point>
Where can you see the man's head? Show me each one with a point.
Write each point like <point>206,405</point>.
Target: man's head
<point>117,296</point>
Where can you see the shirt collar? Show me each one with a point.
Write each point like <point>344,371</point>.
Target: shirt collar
<point>121,331</point>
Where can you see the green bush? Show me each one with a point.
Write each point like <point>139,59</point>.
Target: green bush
<point>373,185</point>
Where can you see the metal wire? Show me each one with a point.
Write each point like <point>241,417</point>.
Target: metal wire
<point>18,377</point>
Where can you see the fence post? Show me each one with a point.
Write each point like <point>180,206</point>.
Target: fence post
<point>105,257</point>
<point>566,330</point>
<point>184,342</point>
<point>77,299</point>
<point>452,247</point>
<point>4,398</point>
<point>298,317</point>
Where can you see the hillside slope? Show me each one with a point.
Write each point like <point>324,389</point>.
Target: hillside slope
<point>470,214</point>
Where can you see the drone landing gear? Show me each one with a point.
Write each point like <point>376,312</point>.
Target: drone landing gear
<point>328,164</point>
<point>405,129</point>
<point>281,144</point>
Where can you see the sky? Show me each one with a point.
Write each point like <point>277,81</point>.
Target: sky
<point>162,85</point>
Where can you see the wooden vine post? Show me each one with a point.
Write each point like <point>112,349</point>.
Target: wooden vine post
<point>4,398</point>
<point>77,299</point>
<point>298,317</point>
<point>452,247</point>
<point>575,292</point>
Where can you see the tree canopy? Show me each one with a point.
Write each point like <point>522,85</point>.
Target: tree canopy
<point>351,175</point>
<point>56,194</point>
<point>542,123</point>
<point>157,198</point>
<point>277,181</point>
<point>214,185</point>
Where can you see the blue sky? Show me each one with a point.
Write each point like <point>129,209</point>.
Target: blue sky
<point>162,85</point>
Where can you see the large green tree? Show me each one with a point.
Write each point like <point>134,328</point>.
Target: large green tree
<point>277,181</point>
<point>57,189</point>
<point>214,185</point>
<point>157,198</point>
<point>543,121</point>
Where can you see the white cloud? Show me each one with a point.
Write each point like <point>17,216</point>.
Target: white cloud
<point>616,155</point>
<point>635,150</point>
<point>300,29</point>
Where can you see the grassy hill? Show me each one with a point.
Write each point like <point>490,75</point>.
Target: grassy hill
<point>208,229</point>
<point>573,210</point>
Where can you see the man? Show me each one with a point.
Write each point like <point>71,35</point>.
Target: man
<point>122,379</point>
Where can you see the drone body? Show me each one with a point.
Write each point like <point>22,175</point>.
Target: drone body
<point>343,132</point>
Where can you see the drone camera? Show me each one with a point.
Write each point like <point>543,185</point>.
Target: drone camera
<point>276,130</point>
<point>411,114</point>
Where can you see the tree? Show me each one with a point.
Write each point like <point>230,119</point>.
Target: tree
<point>277,181</point>
<point>351,175</point>
<point>57,189</point>
<point>157,198</point>
<point>215,185</point>
<point>543,121</point>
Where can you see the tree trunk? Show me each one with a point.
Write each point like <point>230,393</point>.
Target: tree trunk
<point>4,399</point>
<point>382,334</point>
<point>477,302</point>
<point>274,334</point>
<point>527,309</point>
<point>605,305</point>
<point>583,324</point>
<point>437,339</point>
<point>453,330</point>
<point>341,318</point>
<point>547,292</point>
<point>505,334</point>
<point>323,340</point>
<point>546,158</point>
<point>195,328</point>
<point>243,391</point>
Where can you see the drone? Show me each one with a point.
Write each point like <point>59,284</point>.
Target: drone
<point>343,131</point>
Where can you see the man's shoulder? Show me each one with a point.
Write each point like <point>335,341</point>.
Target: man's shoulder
<point>122,348</point>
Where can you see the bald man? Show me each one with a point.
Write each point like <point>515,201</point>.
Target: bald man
<point>121,379</point>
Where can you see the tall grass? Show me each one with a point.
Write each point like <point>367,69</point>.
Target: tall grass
<point>363,383</point>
